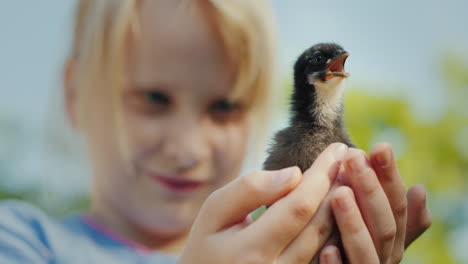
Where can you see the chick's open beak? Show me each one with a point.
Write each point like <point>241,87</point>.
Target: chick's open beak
<point>336,67</point>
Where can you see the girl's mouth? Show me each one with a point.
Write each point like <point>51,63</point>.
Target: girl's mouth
<point>177,183</point>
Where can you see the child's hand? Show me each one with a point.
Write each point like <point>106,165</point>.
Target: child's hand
<point>224,233</point>
<point>380,218</point>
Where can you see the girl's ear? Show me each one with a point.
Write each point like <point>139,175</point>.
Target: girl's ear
<point>69,93</point>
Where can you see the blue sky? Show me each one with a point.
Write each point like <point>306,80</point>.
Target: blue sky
<point>397,43</point>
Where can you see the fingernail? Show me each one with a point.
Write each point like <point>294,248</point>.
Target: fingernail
<point>332,257</point>
<point>340,151</point>
<point>343,203</point>
<point>327,259</point>
<point>382,159</point>
<point>335,257</point>
<point>357,163</point>
<point>282,177</point>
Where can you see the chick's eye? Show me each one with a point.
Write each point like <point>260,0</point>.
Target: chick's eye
<point>317,57</point>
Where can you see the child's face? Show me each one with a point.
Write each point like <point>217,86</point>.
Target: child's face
<point>185,138</point>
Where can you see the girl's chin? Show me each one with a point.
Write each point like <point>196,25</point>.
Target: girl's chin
<point>168,226</point>
<point>169,239</point>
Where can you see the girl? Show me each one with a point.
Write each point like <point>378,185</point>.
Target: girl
<point>167,94</point>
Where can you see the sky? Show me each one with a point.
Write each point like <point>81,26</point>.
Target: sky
<point>394,45</point>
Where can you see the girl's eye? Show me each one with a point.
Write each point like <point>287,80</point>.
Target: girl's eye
<point>154,97</point>
<point>224,105</point>
<point>148,102</point>
<point>224,110</point>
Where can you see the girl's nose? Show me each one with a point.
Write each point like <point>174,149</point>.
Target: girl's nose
<point>185,147</point>
<point>186,163</point>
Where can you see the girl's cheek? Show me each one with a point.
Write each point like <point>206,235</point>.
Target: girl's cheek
<point>142,131</point>
<point>230,150</point>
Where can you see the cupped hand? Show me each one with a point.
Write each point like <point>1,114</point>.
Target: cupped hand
<point>223,232</point>
<point>378,208</point>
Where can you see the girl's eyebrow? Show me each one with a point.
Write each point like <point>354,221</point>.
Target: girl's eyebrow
<point>153,85</point>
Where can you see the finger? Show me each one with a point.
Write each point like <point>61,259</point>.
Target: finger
<point>356,238</point>
<point>419,217</point>
<point>330,255</point>
<point>305,246</point>
<point>232,203</point>
<point>383,162</point>
<point>283,221</point>
<point>373,203</point>
<point>241,225</point>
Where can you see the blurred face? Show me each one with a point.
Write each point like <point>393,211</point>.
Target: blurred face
<point>182,137</point>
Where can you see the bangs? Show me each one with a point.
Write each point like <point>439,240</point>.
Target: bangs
<point>247,34</point>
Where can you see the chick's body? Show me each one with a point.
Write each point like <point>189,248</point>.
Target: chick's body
<point>316,109</point>
<point>300,145</point>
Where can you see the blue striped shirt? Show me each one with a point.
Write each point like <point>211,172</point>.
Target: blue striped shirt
<point>27,235</point>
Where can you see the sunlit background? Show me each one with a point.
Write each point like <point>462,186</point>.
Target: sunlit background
<point>408,86</point>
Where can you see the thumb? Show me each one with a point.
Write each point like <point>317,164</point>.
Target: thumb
<point>233,202</point>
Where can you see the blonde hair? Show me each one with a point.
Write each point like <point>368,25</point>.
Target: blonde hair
<point>245,27</point>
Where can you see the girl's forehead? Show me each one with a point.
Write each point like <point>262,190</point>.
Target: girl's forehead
<point>177,45</point>
<point>173,25</point>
